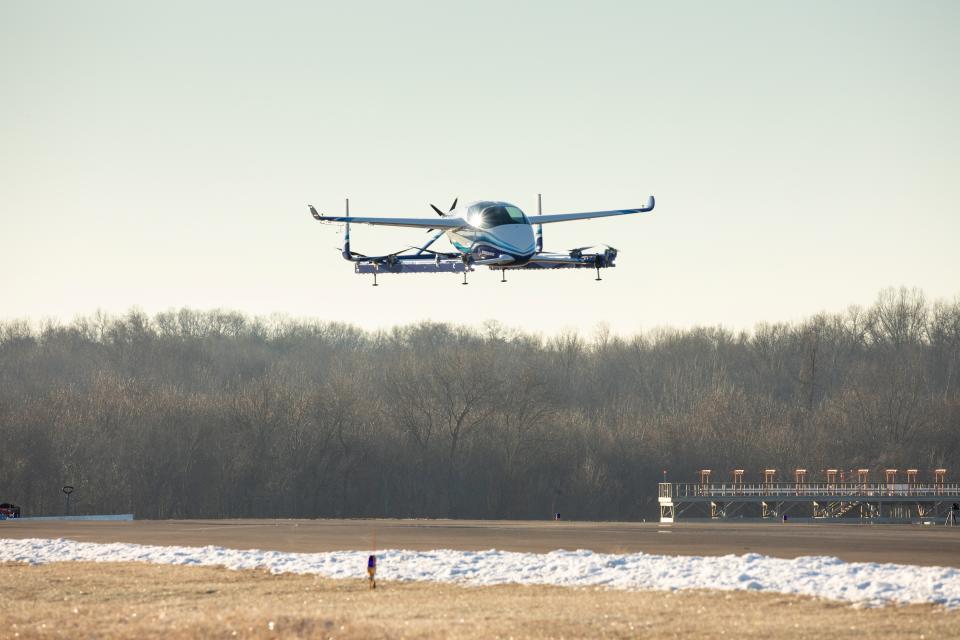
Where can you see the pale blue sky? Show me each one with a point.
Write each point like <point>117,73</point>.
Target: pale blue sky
<point>803,155</point>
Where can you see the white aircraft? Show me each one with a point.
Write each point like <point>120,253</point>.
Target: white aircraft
<point>497,235</point>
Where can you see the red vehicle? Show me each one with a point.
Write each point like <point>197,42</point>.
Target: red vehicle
<point>8,510</point>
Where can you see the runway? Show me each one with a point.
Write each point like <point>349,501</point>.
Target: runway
<point>902,544</point>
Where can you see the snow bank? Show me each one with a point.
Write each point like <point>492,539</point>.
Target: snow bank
<point>821,576</point>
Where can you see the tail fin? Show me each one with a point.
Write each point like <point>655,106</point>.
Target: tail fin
<point>347,255</point>
<point>539,226</point>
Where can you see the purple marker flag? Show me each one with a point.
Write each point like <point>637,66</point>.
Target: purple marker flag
<point>372,570</point>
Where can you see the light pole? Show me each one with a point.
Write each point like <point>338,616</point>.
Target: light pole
<point>67,490</point>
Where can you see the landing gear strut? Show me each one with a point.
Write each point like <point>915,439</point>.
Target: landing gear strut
<point>375,278</point>
<point>503,275</point>
<point>598,278</point>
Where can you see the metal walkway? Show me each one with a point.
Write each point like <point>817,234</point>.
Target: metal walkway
<point>870,502</point>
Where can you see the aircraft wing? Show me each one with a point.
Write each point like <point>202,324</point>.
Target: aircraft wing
<point>424,223</point>
<point>565,217</point>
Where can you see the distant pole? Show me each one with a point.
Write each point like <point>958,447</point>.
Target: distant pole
<point>664,475</point>
<point>67,490</point>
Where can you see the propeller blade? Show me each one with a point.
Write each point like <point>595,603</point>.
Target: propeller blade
<point>436,253</point>
<point>454,205</point>
<point>439,213</point>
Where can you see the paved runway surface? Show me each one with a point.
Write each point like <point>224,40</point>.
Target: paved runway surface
<point>906,544</point>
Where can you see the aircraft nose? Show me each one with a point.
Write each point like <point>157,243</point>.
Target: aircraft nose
<point>520,238</point>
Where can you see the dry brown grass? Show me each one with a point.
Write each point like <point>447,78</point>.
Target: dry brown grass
<point>82,600</point>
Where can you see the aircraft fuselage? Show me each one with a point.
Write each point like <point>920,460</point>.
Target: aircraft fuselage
<point>495,229</point>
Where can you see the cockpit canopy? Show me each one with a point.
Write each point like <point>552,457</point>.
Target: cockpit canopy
<point>487,215</point>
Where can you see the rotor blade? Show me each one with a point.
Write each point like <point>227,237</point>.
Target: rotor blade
<point>591,246</point>
<point>436,253</point>
<point>352,253</point>
<point>429,242</point>
<point>439,213</point>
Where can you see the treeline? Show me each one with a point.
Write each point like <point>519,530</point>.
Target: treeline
<point>215,414</point>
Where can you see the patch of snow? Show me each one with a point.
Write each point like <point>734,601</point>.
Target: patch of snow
<point>820,576</point>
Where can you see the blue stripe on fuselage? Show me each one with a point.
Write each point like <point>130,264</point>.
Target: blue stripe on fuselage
<point>489,239</point>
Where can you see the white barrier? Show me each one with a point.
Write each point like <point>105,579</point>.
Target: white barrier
<point>117,516</point>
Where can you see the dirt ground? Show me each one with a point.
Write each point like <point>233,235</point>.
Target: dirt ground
<point>905,544</point>
<point>86,600</point>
